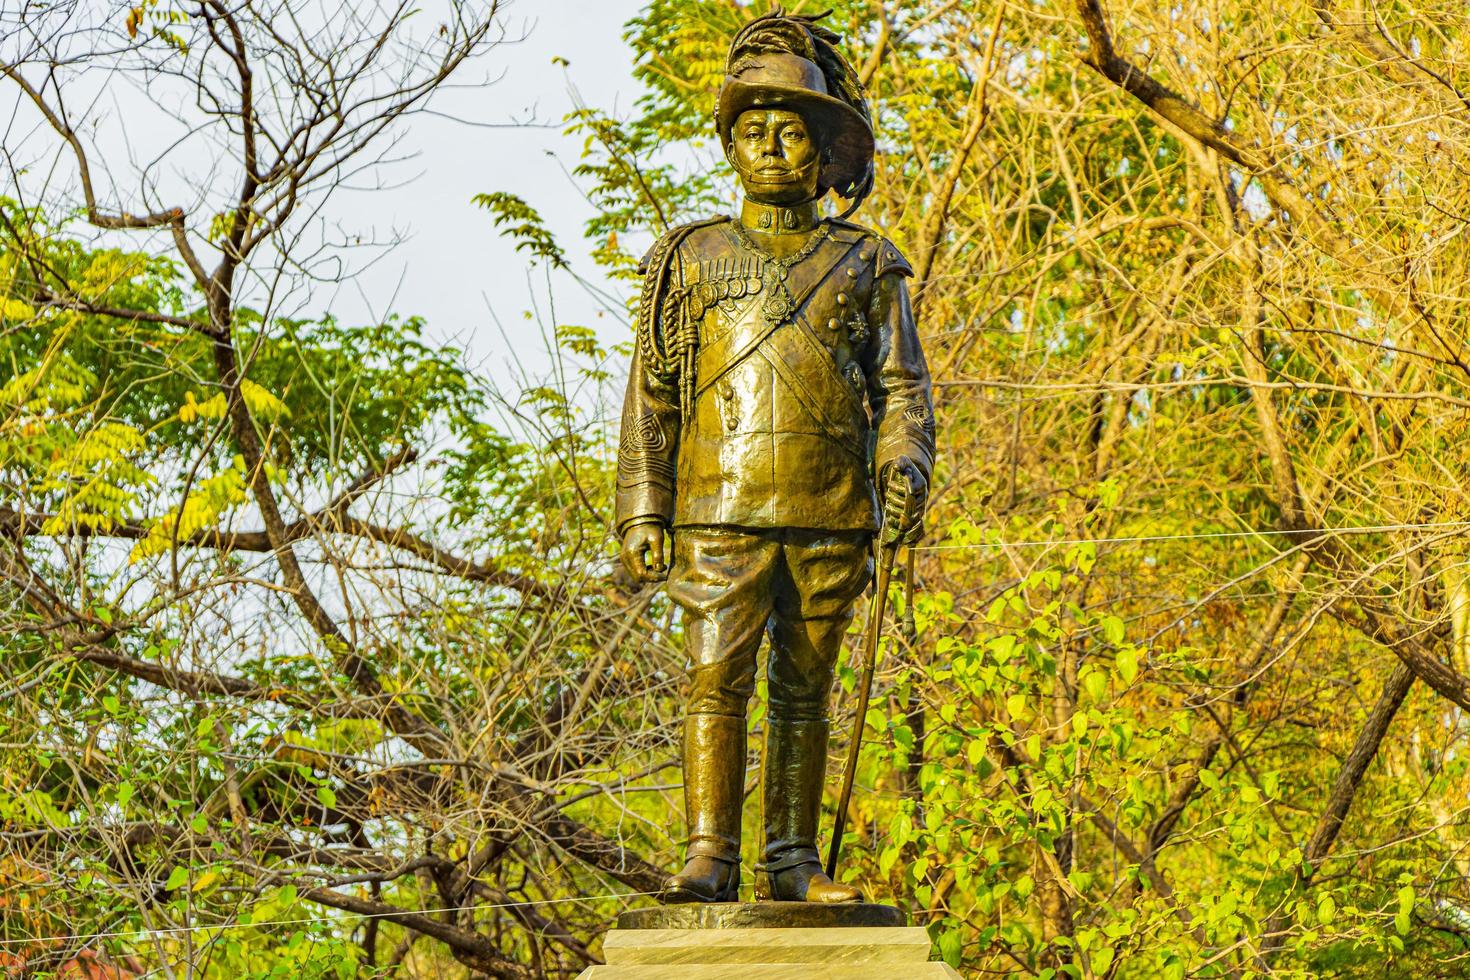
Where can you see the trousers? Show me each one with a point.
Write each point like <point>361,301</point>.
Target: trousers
<point>794,585</point>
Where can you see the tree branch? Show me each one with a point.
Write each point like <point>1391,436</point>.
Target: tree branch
<point>173,218</point>
<point>1340,798</point>
<point>44,297</point>
<point>470,948</point>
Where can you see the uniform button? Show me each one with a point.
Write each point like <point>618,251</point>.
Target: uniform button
<point>841,299</point>
<point>852,273</point>
<point>833,324</point>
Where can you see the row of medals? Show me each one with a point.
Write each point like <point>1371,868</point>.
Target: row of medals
<point>717,280</point>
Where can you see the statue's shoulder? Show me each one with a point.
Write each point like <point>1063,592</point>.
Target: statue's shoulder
<point>675,236</point>
<point>850,231</point>
<point>885,255</point>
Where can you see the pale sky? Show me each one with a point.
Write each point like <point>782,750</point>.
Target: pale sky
<point>454,268</point>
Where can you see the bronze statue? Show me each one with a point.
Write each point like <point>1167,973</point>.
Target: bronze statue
<point>777,373</point>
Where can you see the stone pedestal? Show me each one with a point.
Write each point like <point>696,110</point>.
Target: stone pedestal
<point>766,941</point>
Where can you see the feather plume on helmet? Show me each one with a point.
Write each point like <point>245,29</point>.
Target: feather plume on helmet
<point>790,60</point>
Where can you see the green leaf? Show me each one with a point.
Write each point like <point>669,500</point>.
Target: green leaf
<point>1016,705</point>
<point>523,224</point>
<point>1127,662</point>
<point>951,944</point>
<point>327,796</point>
<point>177,878</point>
<point>1094,682</point>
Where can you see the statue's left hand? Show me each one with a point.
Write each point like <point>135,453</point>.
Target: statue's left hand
<point>905,494</point>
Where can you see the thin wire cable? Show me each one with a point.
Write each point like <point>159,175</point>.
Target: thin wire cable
<point>317,918</point>
<point>1057,388</point>
<point>1053,543</point>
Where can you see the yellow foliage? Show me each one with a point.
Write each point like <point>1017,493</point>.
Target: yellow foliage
<point>201,509</point>
<point>261,402</point>
<point>14,309</point>
<point>40,389</point>
<point>212,408</point>
<point>97,476</point>
<point>112,268</point>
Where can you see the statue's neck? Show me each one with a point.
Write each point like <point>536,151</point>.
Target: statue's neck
<point>779,219</point>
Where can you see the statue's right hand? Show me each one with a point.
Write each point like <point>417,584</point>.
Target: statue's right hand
<point>643,552</point>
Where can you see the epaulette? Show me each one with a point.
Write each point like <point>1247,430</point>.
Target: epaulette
<point>890,259</point>
<point>844,223</point>
<point>846,231</point>
<point>678,232</point>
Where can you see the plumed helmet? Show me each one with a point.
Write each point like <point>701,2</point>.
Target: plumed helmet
<point>787,60</point>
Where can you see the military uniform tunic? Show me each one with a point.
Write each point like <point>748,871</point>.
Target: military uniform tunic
<point>756,434</point>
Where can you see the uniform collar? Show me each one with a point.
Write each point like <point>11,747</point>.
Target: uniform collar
<point>776,219</point>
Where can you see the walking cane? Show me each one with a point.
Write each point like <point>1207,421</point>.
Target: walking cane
<point>890,537</point>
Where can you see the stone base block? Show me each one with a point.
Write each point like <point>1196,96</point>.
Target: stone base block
<point>850,953</point>
<point>795,971</point>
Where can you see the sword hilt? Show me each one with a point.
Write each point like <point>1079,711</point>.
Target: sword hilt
<point>892,531</point>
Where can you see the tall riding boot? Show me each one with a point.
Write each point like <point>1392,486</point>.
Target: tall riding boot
<point>714,793</point>
<point>795,770</point>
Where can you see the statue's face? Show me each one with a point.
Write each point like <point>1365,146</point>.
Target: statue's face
<point>775,155</point>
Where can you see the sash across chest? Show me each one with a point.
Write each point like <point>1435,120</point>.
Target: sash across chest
<point>793,350</point>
